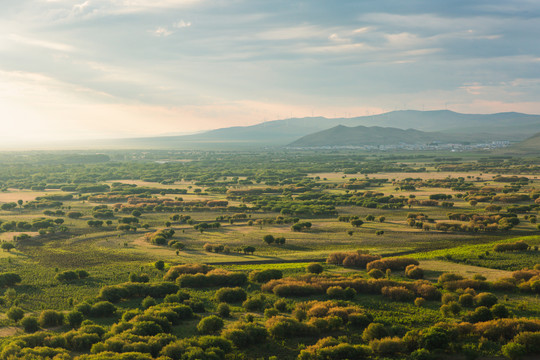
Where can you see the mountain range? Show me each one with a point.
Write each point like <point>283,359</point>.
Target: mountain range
<point>371,136</point>
<point>420,126</point>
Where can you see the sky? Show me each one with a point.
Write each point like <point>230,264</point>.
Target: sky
<point>127,68</point>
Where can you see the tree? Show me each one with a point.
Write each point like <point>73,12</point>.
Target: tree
<point>210,325</point>
<point>74,318</point>
<point>314,268</point>
<point>7,246</point>
<point>269,239</point>
<point>30,324</point>
<point>357,223</point>
<point>15,313</point>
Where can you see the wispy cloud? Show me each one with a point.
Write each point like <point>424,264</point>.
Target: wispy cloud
<point>182,24</point>
<point>40,43</point>
<point>161,31</point>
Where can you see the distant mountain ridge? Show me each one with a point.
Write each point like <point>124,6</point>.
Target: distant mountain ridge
<point>467,127</point>
<point>371,136</point>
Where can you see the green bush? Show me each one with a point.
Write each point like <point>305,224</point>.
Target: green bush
<point>500,311</point>
<point>74,318</point>
<point>480,314</point>
<point>314,268</point>
<point>388,346</point>
<point>102,309</point>
<point>9,279</point>
<point>280,327</point>
<point>376,274</point>
<point>374,331</point>
<point>30,324</point>
<point>224,310</point>
<point>231,295</point>
<point>245,334</point>
<point>254,303</point>
<point>435,338</point>
<point>264,276</point>
<point>335,292</point>
<point>15,313</point>
<point>50,318</point>
<point>485,299</point>
<point>210,325</point>
<point>513,350</point>
<point>466,300</point>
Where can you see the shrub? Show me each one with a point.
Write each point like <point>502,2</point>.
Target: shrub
<point>283,328</point>
<point>427,291</point>
<point>513,350</point>
<point>30,324</point>
<point>421,354</point>
<point>245,334</point>
<point>374,331</point>
<point>142,278</point>
<point>148,302</point>
<point>354,259</point>
<point>435,338</point>
<point>74,318</point>
<point>397,293</point>
<point>224,310</point>
<point>414,272</point>
<point>388,346</point>
<point>447,298</point>
<point>517,246</point>
<point>15,313</point>
<point>171,298</point>
<point>102,309</point>
<point>480,314</point>
<point>314,268</point>
<point>335,292</point>
<point>50,318</point>
<point>396,264</point>
<point>500,311</point>
<point>449,277</point>
<point>176,271</point>
<point>231,295</point>
<point>281,305</point>
<point>376,274</point>
<point>529,339</point>
<point>115,293</point>
<point>210,325</point>
<point>268,313</point>
<point>9,279</point>
<point>218,277</point>
<point>485,299</point>
<point>254,303</point>
<point>419,302</point>
<point>66,276</point>
<point>360,320</point>
<point>466,300</point>
<point>264,276</point>
<point>160,265</point>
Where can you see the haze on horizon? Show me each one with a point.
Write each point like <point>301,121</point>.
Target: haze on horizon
<point>128,68</point>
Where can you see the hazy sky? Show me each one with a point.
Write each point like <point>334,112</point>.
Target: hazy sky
<point>117,68</point>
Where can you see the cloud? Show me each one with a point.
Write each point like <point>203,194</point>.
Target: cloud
<point>161,31</point>
<point>40,43</point>
<point>182,24</point>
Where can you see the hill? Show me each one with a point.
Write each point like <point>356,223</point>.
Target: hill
<point>531,144</point>
<point>375,135</point>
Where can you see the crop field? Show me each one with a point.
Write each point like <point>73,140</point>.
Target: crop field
<point>286,255</point>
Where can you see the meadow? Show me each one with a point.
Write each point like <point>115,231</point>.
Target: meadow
<point>159,255</point>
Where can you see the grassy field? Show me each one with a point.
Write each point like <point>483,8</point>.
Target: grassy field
<point>262,202</point>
